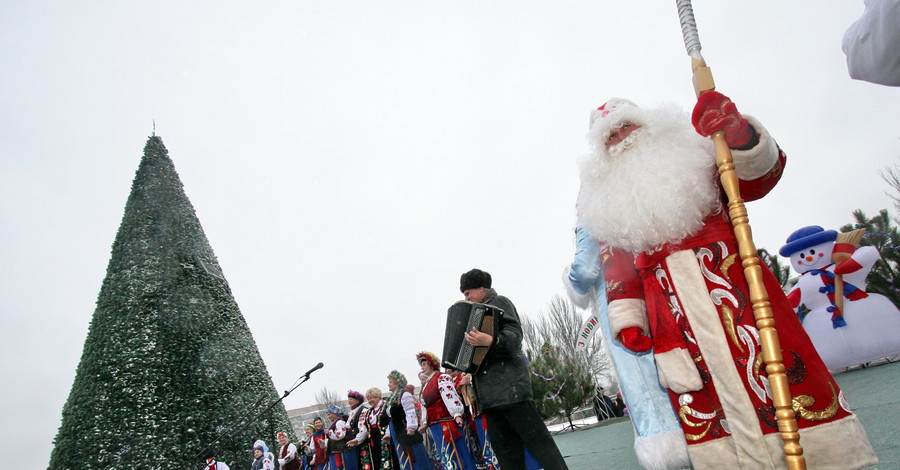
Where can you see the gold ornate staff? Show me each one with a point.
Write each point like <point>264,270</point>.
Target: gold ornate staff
<point>762,310</point>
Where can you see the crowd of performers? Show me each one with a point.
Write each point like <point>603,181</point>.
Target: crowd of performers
<point>439,427</point>
<point>446,425</point>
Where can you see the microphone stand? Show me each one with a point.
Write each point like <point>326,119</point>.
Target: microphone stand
<point>243,422</point>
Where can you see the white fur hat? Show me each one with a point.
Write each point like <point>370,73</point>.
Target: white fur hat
<point>610,110</point>
<point>612,115</point>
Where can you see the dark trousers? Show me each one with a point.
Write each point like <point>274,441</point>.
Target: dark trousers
<point>513,427</point>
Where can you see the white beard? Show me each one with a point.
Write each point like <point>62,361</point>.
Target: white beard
<point>657,189</point>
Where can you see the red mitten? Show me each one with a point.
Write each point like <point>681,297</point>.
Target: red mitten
<point>794,297</point>
<point>634,340</point>
<point>715,112</point>
<point>843,250</point>
<point>842,256</point>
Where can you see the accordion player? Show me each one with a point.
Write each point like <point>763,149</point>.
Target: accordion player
<point>462,316</point>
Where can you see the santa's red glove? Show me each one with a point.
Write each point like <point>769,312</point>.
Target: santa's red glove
<point>715,112</point>
<point>634,340</point>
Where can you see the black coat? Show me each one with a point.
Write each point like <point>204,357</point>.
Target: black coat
<point>504,377</point>
<point>604,407</point>
<point>398,417</point>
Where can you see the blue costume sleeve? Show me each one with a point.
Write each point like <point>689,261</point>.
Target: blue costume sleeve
<point>585,271</point>
<point>659,441</point>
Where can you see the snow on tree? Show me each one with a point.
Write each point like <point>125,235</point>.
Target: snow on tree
<point>169,364</point>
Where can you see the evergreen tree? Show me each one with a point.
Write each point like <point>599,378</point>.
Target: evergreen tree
<point>884,278</point>
<point>169,364</point>
<point>544,384</point>
<point>579,389</point>
<point>561,383</point>
<point>563,379</point>
<point>781,272</point>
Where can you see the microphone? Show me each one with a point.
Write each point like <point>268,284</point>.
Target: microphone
<point>317,367</point>
<point>303,378</point>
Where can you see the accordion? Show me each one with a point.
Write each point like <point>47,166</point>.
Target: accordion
<point>462,316</point>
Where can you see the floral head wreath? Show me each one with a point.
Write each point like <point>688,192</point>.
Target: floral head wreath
<point>335,410</point>
<point>399,378</point>
<point>430,358</point>
<point>354,394</point>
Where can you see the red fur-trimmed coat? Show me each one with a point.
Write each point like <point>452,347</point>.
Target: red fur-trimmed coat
<point>693,300</point>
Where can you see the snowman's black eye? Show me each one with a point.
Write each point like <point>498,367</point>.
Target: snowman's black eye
<point>812,252</point>
<point>802,254</point>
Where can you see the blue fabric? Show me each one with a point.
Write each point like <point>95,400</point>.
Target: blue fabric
<point>586,270</point>
<point>454,455</point>
<point>806,237</point>
<point>351,458</point>
<point>419,459</point>
<point>333,464</point>
<point>837,318</point>
<point>648,402</point>
<point>487,452</point>
<point>531,463</point>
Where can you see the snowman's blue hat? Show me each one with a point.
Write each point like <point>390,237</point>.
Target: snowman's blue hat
<point>806,237</point>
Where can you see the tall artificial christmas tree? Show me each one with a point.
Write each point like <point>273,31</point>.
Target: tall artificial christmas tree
<point>169,364</point>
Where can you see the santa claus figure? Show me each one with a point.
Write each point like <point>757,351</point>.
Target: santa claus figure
<point>866,329</point>
<point>650,194</point>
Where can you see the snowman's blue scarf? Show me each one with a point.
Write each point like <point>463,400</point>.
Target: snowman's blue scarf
<point>837,317</point>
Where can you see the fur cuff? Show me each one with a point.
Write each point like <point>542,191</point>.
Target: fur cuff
<point>582,301</point>
<point>677,371</point>
<point>662,451</point>
<point>625,313</point>
<point>756,162</point>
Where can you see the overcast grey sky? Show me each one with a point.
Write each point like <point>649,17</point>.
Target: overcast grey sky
<point>348,160</point>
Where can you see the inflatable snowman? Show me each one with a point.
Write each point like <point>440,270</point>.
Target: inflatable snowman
<point>868,326</point>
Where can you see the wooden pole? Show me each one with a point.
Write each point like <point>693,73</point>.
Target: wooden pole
<point>853,238</point>
<point>759,298</point>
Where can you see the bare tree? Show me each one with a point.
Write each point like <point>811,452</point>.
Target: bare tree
<point>892,177</point>
<point>328,397</point>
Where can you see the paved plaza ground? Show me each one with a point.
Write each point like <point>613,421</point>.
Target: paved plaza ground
<point>872,393</point>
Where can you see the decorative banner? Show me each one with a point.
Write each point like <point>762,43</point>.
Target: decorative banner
<point>541,376</point>
<point>558,391</point>
<point>584,335</point>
